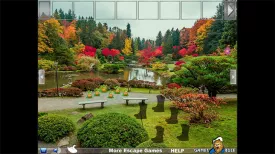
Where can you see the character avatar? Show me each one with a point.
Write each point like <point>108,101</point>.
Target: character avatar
<point>218,147</point>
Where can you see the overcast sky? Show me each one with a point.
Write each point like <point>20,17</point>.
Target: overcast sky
<point>148,10</point>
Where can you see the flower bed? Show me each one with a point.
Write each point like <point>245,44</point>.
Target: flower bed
<point>70,92</point>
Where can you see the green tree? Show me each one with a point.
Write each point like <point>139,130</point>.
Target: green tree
<point>139,43</point>
<point>133,46</point>
<point>176,37</point>
<point>229,36</point>
<point>167,43</point>
<point>136,46</point>
<point>211,43</point>
<point>210,71</point>
<point>159,39</point>
<point>100,28</point>
<point>61,14</point>
<point>128,30</point>
<point>143,43</point>
<point>56,14</point>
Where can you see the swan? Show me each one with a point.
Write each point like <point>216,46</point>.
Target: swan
<point>72,149</point>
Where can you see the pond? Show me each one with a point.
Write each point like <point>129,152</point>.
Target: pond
<point>127,74</point>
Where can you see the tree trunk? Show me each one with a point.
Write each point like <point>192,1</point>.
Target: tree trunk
<point>212,93</point>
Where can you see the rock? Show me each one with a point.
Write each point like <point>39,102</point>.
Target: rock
<point>63,142</point>
<point>84,118</point>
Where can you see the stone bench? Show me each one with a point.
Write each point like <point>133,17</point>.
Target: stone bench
<point>142,99</point>
<point>92,102</point>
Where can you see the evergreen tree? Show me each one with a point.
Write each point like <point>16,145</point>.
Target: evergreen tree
<point>159,39</point>
<point>105,26</point>
<point>133,46</point>
<point>139,43</point>
<point>56,14</point>
<point>61,14</point>
<point>110,29</point>
<point>168,46</point>
<point>100,28</point>
<point>136,46</point>
<point>229,36</point>
<point>176,37</point>
<point>128,30</point>
<point>143,44</point>
<point>211,43</point>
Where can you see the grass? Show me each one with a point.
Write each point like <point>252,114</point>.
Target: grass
<point>142,90</point>
<point>199,135</point>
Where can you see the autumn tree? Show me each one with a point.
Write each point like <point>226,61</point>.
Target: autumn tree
<point>195,27</point>
<point>69,33</point>
<point>202,33</point>
<point>128,47</point>
<point>184,37</point>
<point>44,44</point>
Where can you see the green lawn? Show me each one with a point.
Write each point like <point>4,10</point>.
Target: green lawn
<point>199,135</point>
<point>142,90</point>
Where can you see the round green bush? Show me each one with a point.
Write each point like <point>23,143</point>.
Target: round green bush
<point>111,130</point>
<point>151,144</point>
<point>54,127</point>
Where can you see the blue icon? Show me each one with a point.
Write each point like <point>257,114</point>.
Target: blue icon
<point>43,150</point>
<point>55,150</point>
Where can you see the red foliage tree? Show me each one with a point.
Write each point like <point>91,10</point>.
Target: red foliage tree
<point>193,30</point>
<point>89,51</point>
<point>173,85</point>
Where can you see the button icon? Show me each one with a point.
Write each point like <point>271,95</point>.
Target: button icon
<point>57,150</point>
<point>43,150</point>
<point>230,10</point>
<point>233,77</point>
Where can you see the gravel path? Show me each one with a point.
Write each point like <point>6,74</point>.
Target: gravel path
<point>59,103</point>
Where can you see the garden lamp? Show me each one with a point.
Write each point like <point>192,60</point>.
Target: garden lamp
<point>56,77</point>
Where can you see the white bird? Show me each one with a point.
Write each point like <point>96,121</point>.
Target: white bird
<point>72,149</point>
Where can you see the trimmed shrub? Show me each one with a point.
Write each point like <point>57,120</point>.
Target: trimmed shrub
<point>51,128</point>
<point>86,63</point>
<point>111,83</point>
<point>85,85</point>
<point>151,144</point>
<point>47,65</point>
<point>68,68</point>
<point>142,84</point>
<point>111,130</point>
<point>98,81</point>
<point>52,92</point>
<point>111,68</point>
<point>123,83</point>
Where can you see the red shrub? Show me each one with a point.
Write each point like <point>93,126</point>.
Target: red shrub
<point>173,85</point>
<point>74,92</point>
<point>85,85</point>
<point>178,63</point>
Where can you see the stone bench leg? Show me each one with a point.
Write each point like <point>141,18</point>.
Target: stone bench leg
<point>143,101</point>
<point>83,106</point>
<point>127,102</point>
<point>102,104</point>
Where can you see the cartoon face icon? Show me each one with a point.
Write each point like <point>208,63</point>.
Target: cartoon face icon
<point>218,147</point>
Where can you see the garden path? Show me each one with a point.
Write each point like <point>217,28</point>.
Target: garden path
<point>59,103</point>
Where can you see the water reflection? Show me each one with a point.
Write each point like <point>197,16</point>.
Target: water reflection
<point>127,74</point>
